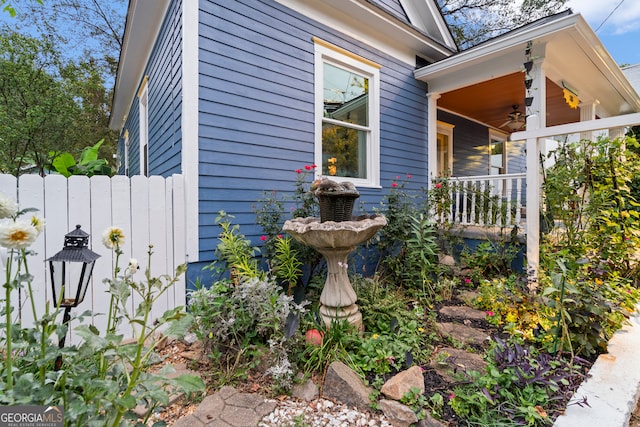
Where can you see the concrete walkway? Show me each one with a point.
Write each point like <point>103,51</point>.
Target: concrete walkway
<point>229,408</point>
<point>613,386</point>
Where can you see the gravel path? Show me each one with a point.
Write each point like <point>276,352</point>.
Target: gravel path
<point>320,412</point>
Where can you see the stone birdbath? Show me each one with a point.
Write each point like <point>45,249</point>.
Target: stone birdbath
<point>335,241</point>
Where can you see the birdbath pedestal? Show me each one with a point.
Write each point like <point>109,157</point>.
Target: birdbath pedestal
<point>335,241</point>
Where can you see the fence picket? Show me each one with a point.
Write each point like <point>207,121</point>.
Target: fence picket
<point>148,210</point>
<point>101,220</point>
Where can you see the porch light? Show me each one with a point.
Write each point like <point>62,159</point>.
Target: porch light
<point>528,101</point>
<point>70,271</point>
<point>528,66</point>
<point>528,83</point>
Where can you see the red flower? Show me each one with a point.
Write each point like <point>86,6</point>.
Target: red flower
<point>490,313</point>
<point>298,170</point>
<point>452,396</point>
<point>467,280</point>
<point>409,176</point>
<point>279,236</point>
<point>263,238</point>
<point>438,185</point>
<point>397,176</point>
<point>394,184</point>
<point>314,166</point>
<point>307,167</point>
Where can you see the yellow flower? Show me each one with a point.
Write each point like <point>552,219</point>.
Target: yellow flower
<point>113,237</point>
<point>375,336</point>
<point>17,235</point>
<point>598,281</point>
<point>511,317</point>
<point>420,329</point>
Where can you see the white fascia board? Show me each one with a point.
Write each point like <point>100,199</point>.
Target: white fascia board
<point>371,26</point>
<point>190,125</point>
<point>491,50</point>
<point>605,63</point>
<point>425,15</point>
<point>144,20</point>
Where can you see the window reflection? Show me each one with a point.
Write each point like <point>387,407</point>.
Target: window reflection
<point>346,103</point>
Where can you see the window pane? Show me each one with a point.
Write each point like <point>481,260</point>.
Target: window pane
<point>496,157</point>
<point>344,151</point>
<point>346,95</point>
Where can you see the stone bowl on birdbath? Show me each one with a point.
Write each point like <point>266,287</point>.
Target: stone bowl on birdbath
<point>335,241</point>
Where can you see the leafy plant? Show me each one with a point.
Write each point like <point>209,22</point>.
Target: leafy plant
<point>587,310</point>
<point>103,378</point>
<point>417,401</point>
<point>421,263</point>
<point>234,321</point>
<point>89,164</point>
<point>286,264</point>
<point>234,253</point>
<point>270,215</point>
<point>520,387</point>
<point>491,258</point>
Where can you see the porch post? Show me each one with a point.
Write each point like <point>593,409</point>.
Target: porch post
<point>587,113</point>
<point>533,205</point>
<point>432,136</point>
<point>537,118</point>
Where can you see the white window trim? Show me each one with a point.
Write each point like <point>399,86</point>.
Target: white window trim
<point>502,137</point>
<point>143,104</point>
<point>126,152</point>
<point>445,128</point>
<point>342,58</point>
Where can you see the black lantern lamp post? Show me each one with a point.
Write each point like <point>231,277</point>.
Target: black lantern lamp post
<point>71,270</point>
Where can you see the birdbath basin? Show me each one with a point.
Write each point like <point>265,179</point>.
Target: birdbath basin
<point>335,241</point>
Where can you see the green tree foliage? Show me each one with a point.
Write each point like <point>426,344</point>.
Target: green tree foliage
<point>47,105</point>
<point>87,28</point>
<point>473,21</point>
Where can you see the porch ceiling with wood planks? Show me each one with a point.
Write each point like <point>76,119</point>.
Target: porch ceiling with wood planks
<point>491,101</point>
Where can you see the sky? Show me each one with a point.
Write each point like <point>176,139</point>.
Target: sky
<point>620,32</point>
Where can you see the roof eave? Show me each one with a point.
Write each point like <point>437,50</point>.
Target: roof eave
<point>502,51</point>
<point>144,20</point>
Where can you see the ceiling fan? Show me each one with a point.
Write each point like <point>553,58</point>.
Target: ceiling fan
<point>516,120</point>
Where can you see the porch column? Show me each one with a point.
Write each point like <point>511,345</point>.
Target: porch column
<point>587,113</point>
<point>536,119</point>
<point>432,137</point>
<point>533,205</point>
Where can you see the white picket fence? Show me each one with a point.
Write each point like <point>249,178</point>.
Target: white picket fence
<point>150,211</point>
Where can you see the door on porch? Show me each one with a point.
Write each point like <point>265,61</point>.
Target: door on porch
<point>444,164</point>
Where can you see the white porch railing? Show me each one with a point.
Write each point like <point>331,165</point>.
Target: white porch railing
<point>486,200</point>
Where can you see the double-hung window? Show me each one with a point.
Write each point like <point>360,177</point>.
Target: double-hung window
<point>347,141</point>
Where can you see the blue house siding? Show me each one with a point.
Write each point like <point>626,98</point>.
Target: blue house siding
<point>165,96</point>
<point>470,145</point>
<point>257,110</point>
<point>164,103</point>
<point>471,148</point>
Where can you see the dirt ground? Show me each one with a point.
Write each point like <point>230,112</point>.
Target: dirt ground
<point>635,417</point>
